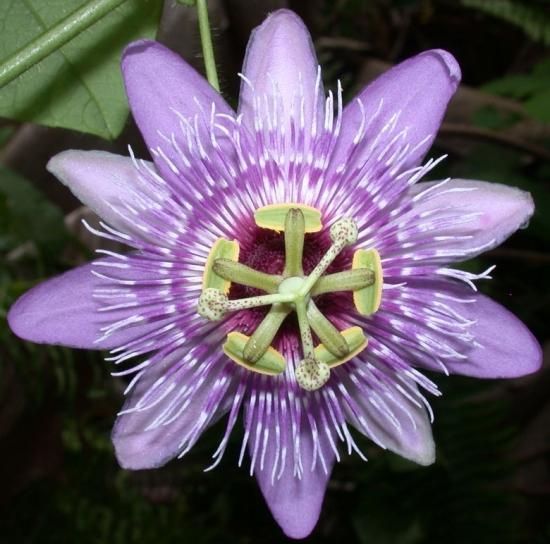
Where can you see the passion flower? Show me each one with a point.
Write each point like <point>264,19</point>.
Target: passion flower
<point>284,264</point>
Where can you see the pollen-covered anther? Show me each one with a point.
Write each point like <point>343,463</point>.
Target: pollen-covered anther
<point>312,374</point>
<point>344,231</point>
<point>212,304</point>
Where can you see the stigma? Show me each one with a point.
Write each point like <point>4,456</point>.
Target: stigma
<point>293,292</point>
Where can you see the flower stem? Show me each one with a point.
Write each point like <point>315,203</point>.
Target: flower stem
<point>57,36</point>
<point>207,48</point>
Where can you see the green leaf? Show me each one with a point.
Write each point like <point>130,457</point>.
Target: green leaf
<point>538,106</point>
<point>518,86</point>
<point>532,19</point>
<point>79,86</point>
<point>5,134</point>
<point>493,118</point>
<point>542,68</point>
<point>26,215</point>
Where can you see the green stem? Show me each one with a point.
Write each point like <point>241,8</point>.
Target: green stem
<point>57,36</point>
<point>207,48</point>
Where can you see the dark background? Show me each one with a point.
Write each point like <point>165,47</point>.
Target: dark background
<point>59,481</point>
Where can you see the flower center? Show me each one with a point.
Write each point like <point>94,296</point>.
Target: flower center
<point>293,291</point>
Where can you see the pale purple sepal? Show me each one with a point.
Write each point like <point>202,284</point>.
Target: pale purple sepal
<point>140,441</point>
<point>503,347</point>
<point>162,90</point>
<point>103,181</point>
<point>295,502</point>
<point>507,348</point>
<point>412,96</point>
<point>63,311</point>
<point>280,63</point>
<point>482,214</point>
<point>402,426</point>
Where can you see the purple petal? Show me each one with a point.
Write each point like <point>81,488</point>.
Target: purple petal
<point>158,84</point>
<point>62,311</point>
<point>402,426</point>
<point>294,501</point>
<point>480,215</point>
<point>280,63</point>
<point>503,347</point>
<point>177,405</point>
<point>100,180</point>
<point>418,90</point>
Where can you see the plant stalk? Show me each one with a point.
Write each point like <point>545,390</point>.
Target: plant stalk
<point>207,47</point>
<point>54,38</point>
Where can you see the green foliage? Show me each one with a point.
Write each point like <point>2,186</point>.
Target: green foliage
<point>79,86</point>
<point>26,216</point>
<point>459,499</point>
<point>533,19</point>
<point>5,134</point>
<point>532,89</point>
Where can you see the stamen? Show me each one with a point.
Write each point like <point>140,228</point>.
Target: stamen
<point>264,334</point>
<point>244,275</point>
<point>356,342</point>
<point>271,362</point>
<point>348,280</point>
<point>273,217</point>
<point>326,331</point>
<point>222,249</point>
<point>294,242</point>
<point>367,300</point>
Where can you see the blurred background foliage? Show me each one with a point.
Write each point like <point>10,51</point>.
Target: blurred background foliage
<point>59,478</point>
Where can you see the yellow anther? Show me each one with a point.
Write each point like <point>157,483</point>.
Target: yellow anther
<point>356,341</point>
<point>367,300</point>
<point>271,362</point>
<point>273,217</point>
<point>222,249</point>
